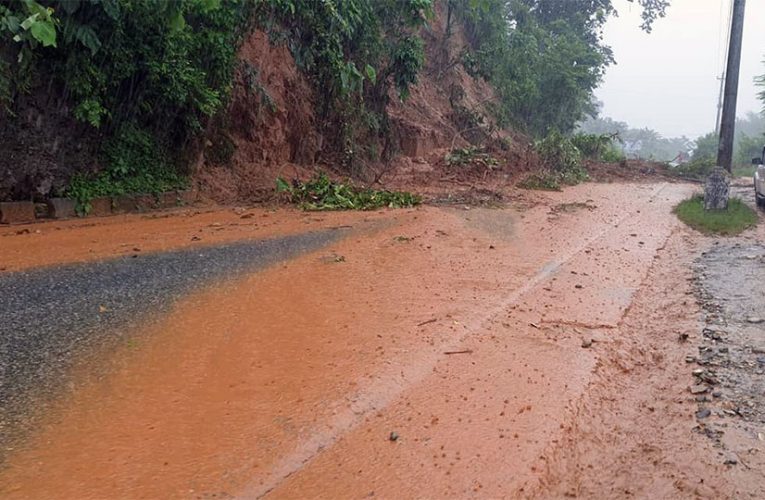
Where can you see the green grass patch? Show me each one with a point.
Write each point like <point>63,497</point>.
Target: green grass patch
<point>322,194</point>
<point>735,220</point>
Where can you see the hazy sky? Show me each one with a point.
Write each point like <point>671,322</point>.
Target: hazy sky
<point>667,80</point>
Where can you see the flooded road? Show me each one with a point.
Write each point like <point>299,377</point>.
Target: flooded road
<point>433,352</point>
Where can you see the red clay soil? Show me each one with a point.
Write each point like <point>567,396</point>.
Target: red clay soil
<point>271,129</point>
<point>270,124</point>
<point>34,245</point>
<point>442,357</point>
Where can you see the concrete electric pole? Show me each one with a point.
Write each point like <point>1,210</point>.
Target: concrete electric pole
<point>728,121</point>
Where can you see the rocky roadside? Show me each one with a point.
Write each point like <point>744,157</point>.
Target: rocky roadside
<point>728,374</point>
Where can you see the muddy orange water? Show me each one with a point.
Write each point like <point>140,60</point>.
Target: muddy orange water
<point>458,330</point>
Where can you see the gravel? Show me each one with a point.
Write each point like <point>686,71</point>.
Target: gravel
<point>50,317</point>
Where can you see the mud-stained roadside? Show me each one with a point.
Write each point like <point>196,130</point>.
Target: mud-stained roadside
<point>631,434</point>
<point>454,352</point>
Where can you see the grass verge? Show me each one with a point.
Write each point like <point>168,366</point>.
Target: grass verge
<point>733,221</point>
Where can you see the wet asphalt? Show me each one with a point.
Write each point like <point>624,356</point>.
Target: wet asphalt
<point>51,317</point>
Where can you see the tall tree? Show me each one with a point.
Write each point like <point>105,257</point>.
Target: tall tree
<point>544,57</point>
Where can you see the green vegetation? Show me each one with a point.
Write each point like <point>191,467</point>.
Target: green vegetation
<point>544,69</point>
<point>698,168</point>
<point>638,143</point>
<point>736,219</point>
<point>744,171</point>
<point>749,140</point>
<point>563,164</point>
<point>471,156</point>
<point>547,65</point>
<point>650,145</point>
<point>135,165</point>
<point>161,70</point>
<point>144,76</point>
<point>355,51</point>
<point>322,194</point>
<point>598,147</point>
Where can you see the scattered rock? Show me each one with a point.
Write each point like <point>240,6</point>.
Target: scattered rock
<point>730,459</point>
<point>755,320</point>
<point>703,413</point>
<point>682,337</point>
<point>587,343</point>
<point>332,259</point>
<point>699,389</point>
<point>717,394</point>
<point>578,286</point>
<point>393,436</point>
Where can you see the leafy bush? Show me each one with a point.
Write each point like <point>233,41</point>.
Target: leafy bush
<point>591,145</point>
<point>135,164</point>
<point>355,51</point>
<point>562,163</point>
<point>133,70</point>
<point>747,148</point>
<point>706,148</point>
<point>322,194</point>
<point>598,147</point>
<point>558,152</point>
<point>612,154</point>
<point>698,167</point>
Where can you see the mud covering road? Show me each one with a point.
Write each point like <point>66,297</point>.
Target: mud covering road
<point>534,351</point>
<point>55,315</point>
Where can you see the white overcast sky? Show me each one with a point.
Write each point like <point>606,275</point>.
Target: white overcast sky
<point>667,80</point>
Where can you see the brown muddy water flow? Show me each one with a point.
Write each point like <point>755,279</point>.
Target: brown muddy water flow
<point>440,352</point>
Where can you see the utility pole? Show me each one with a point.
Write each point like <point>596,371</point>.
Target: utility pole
<point>719,104</point>
<point>728,122</point>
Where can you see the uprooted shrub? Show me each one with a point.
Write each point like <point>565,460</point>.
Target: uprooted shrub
<point>471,156</point>
<point>320,193</point>
<point>562,162</point>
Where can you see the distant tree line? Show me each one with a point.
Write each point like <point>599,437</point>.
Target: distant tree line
<point>648,144</point>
